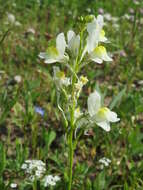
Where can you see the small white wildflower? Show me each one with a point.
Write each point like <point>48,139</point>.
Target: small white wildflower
<point>50,180</point>
<point>102,115</point>
<point>105,161</point>
<point>31,30</point>
<point>126,16</point>
<point>36,168</point>
<point>88,10</point>
<point>24,166</point>
<point>77,113</point>
<point>107,16</point>
<point>18,78</point>
<point>11,18</point>
<point>17,23</point>
<point>59,78</point>
<point>57,178</point>
<point>118,162</point>
<point>81,82</point>
<point>13,185</point>
<point>56,54</point>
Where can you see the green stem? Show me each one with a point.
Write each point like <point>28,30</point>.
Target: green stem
<point>71,149</point>
<point>35,185</point>
<point>71,143</point>
<point>71,155</point>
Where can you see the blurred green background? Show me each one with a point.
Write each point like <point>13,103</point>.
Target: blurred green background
<point>27,27</point>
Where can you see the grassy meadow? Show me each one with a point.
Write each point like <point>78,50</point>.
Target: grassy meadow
<point>31,125</point>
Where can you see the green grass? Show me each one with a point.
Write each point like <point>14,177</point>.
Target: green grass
<point>120,81</point>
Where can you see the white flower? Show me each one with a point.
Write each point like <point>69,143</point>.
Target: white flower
<point>77,113</point>
<point>102,115</point>
<point>17,23</point>
<point>80,83</point>
<point>107,16</point>
<point>18,78</point>
<point>105,161</point>
<point>50,180</point>
<point>36,169</point>
<point>99,54</point>
<point>13,185</point>
<point>24,166</point>
<point>31,30</point>
<point>73,42</point>
<point>59,78</point>
<point>55,54</point>
<point>96,33</point>
<point>11,18</point>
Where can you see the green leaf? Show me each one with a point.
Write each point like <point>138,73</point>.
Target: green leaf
<point>2,158</point>
<point>116,99</point>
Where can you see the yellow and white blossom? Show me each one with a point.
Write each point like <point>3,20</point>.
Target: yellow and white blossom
<point>96,33</point>
<point>99,54</point>
<point>56,54</point>
<point>81,82</point>
<point>59,78</point>
<point>73,42</point>
<point>77,113</point>
<point>102,115</point>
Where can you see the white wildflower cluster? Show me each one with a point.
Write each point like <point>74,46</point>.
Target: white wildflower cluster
<point>35,168</point>
<point>50,180</point>
<point>105,162</point>
<point>13,185</point>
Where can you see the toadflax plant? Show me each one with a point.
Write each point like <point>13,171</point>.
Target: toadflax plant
<point>74,52</point>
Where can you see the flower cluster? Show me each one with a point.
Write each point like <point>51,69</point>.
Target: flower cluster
<point>73,52</point>
<point>96,52</point>
<point>35,168</point>
<point>104,162</point>
<point>50,180</point>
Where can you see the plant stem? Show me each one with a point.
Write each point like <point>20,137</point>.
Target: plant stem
<point>71,154</point>
<point>71,149</point>
<point>35,185</point>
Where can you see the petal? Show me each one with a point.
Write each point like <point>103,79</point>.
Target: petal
<point>61,44</point>
<point>74,44</point>
<point>97,60</point>
<point>91,26</point>
<point>93,37</point>
<point>104,125</point>
<point>48,59</point>
<point>94,103</point>
<point>106,57</point>
<point>112,116</point>
<point>70,35</point>
<point>100,20</point>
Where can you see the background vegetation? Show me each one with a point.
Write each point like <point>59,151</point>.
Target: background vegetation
<point>26,134</point>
